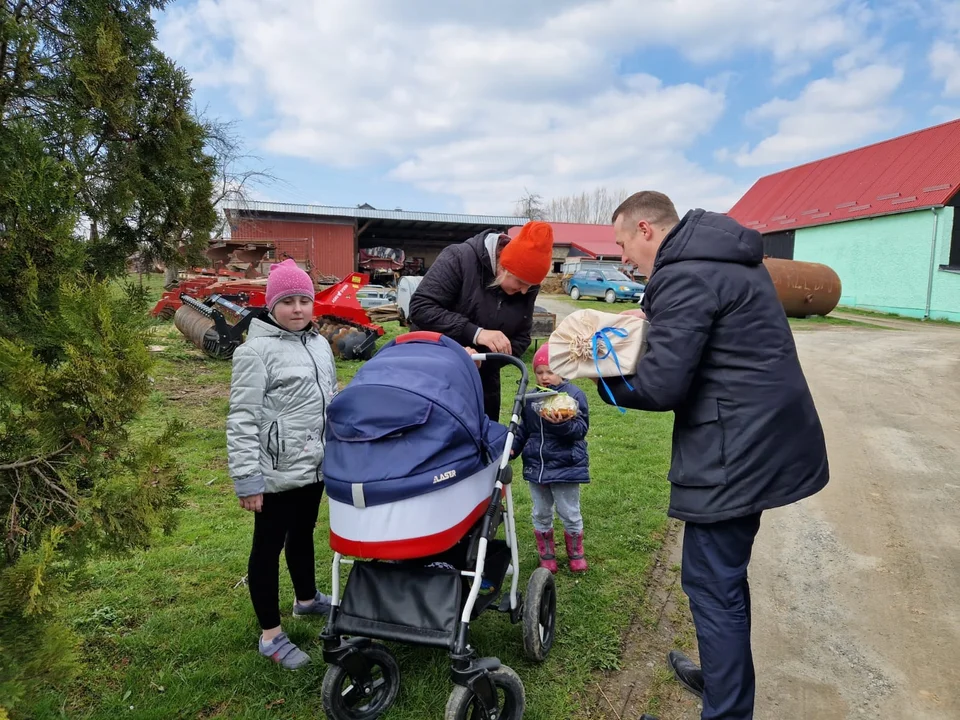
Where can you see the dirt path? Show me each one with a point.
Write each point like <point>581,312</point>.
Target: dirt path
<point>893,322</point>
<point>559,307</point>
<point>856,591</point>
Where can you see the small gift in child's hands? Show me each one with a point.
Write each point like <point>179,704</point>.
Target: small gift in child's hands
<point>559,408</point>
<point>594,344</point>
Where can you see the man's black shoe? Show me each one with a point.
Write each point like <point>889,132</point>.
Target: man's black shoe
<point>686,672</point>
<point>648,717</point>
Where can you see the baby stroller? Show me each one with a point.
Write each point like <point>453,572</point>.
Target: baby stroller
<point>418,481</point>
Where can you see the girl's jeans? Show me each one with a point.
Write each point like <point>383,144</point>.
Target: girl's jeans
<point>566,496</point>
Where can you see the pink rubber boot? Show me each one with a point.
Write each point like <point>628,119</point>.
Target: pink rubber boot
<point>547,550</point>
<point>578,563</point>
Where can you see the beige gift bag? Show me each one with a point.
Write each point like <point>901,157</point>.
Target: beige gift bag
<point>594,344</point>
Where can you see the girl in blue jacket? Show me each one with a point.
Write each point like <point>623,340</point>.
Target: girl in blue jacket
<point>555,464</point>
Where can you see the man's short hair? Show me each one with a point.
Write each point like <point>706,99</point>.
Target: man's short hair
<point>654,207</point>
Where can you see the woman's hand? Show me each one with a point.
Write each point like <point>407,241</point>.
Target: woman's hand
<point>636,313</point>
<point>495,340</point>
<point>253,503</point>
<point>471,351</point>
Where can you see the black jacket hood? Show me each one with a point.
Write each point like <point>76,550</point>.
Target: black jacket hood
<point>702,235</point>
<point>478,244</point>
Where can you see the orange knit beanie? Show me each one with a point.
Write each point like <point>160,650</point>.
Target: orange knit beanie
<point>530,254</point>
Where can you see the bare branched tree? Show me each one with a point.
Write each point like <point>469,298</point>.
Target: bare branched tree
<point>530,206</point>
<point>236,177</point>
<point>594,208</point>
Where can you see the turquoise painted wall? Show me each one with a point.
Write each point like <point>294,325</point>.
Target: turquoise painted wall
<point>884,262</point>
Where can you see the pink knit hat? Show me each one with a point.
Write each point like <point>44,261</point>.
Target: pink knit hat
<point>286,280</point>
<point>542,356</point>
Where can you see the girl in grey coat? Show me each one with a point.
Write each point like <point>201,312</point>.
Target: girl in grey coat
<point>283,378</point>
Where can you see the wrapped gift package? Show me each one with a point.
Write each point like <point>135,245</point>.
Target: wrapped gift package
<point>560,407</point>
<point>594,344</point>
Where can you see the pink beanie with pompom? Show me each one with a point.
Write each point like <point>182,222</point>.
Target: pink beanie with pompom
<point>287,279</point>
<point>542,356</point>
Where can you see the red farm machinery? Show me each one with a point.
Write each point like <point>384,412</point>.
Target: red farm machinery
<point>214,312</point>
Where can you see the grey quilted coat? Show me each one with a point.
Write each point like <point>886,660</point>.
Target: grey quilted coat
<point>282,382</point>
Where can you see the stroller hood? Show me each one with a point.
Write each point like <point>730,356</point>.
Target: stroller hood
<point>409,423</point>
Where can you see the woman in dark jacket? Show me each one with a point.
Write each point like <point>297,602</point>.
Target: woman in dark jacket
<point>482,292</point>
<point>555,463</point>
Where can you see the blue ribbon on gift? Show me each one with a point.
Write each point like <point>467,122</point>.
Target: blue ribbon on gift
<point>603,335</point>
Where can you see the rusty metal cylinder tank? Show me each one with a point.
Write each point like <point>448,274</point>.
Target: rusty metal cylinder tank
<point>804,288</point>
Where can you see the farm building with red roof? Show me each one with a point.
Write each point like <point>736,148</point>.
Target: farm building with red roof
<point>884,217</point>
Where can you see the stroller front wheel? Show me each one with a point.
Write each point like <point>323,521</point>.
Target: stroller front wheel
<point>511,699</point>
<point>368,694</point>
<point>539,615</point>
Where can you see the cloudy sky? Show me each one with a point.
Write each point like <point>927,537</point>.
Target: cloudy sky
<point>443,105</point>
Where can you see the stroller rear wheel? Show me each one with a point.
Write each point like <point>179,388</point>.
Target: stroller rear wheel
<point>511,700</point>
<point>362,698</point>
<point>539,615</point>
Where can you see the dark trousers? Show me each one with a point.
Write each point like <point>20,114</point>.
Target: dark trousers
<point>285,522</point>
<point>714,577</point>
<point>491,393</point>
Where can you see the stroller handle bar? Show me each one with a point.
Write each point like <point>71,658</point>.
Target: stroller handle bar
<point>510,359</point>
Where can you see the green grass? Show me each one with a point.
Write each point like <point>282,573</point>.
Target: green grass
<point>890,316</point>
<point>817,321</point>
<point>602,305</point>
<point>169,632</point>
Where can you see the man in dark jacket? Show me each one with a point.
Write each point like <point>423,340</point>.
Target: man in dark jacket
<point>481,293</point>
<point>746,435</point>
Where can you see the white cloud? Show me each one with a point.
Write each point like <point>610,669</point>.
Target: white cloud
<point>480,100</point>
<point>939,19</point>
<point>941,14</point>
<point>789,71</point>
<point>705,30</point>
<point>830,113</point>
<point>945,113</point>
<point>944,60</point>
<point>630,137</point>
<point>863,54</point>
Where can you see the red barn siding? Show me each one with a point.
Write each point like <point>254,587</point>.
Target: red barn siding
<point>327,248</point>
<point>299,250</point>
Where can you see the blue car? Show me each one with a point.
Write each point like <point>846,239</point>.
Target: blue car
<point>609,284</point>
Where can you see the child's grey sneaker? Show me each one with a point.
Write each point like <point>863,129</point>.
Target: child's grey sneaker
<point>282,650</point>
<point>320,605</point>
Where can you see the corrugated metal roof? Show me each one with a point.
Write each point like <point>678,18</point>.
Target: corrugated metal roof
<point>362,213</point>
<point>918,170</point>
<point>597,240</point>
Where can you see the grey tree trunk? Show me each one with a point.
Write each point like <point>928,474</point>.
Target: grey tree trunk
<point>170,276</point>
